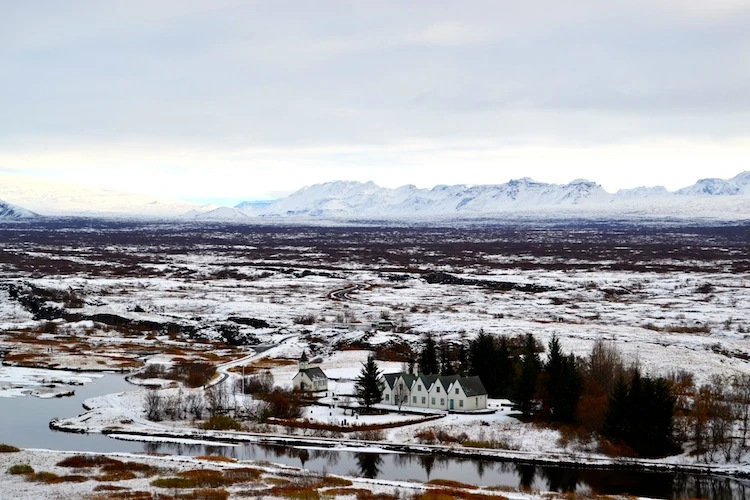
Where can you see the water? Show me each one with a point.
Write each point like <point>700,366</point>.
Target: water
<point>25,423</point>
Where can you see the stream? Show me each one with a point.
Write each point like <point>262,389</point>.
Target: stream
<point>25,423</point>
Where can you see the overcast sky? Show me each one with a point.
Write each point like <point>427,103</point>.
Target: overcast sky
<point>226,99</point>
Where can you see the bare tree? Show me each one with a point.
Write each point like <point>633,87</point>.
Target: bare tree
<point>195,404</point>
<point>605,364</point>
<point>153,404</point>
<point>217,399</point>
<point>741,398</point>
<point>400,394</point>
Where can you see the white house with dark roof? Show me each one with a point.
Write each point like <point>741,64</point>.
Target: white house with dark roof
<point>309,379</point>
<point>449,392</point>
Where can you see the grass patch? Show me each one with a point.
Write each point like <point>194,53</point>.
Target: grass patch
<point>359,493</point>
<point>334,482</point>
<point>110,487</point>
<point>447,494</point>
<point>116,475</point>
<point>44,477</point>
<point>451,484</point>
<point>243,475</point>
<point>20,469</point>
<point>294,491</point>
<point>125,495</point>
<point>197,478</point>
<point>7,448</point>
<point>207,494</point>
<point>87,461</point>
<point>216,458</point>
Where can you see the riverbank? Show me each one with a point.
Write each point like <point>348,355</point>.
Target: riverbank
<point>34,473</point>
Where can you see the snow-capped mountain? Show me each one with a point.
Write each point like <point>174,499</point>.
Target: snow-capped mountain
<point>356,199</point>
<point>217,214</point>
<point>62,198</point>
<point>8,211</point>
<point>737,185</point>
<point>342,199</point>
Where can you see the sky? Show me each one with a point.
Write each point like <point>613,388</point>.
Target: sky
<point>239,100</point>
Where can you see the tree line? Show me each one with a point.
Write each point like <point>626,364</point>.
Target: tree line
<point>600,394</point>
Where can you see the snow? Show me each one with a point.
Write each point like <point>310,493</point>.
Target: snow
<point>714,198</point>
<point>17,381</point>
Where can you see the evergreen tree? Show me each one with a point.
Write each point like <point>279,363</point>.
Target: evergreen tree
<point>463,360</point>
<point>483,362</point>
<point>369,385</point>
<point>561,385</point>
<point>617,419</point>
<point>446,365</point>
<point>526,385</point>
<point>428,361</point>
<point>505,369</point>
<point>641,415</point>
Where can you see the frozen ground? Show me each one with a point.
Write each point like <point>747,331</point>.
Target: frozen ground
<point>668,307</point>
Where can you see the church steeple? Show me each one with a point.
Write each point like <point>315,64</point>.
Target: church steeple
<point>303,361</point>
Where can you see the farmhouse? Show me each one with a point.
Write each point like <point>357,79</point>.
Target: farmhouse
<point>309,379</point>
<point>449,392</point>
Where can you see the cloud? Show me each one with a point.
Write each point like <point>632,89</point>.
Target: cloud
<point>173,79</point>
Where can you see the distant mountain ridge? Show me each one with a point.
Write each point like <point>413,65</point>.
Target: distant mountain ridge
<point>57,198</point>
<point>13,212</point>
<point>349,199</point>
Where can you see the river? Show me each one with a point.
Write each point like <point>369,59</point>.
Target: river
<point>25,423</point>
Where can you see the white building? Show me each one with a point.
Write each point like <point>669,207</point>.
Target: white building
<point>449,392</point>
<point>309,379</point>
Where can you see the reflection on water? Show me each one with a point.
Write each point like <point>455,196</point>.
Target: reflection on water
<point>369,464</point>
<point>27,426</point>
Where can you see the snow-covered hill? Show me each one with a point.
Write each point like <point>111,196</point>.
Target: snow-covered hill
<point>8,211</point>
<point>61,198</point>
<point>712,198</point>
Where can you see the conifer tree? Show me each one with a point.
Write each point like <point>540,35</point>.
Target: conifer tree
<point>526,385</point>
<point>428,360</point>
<point>369,385</point>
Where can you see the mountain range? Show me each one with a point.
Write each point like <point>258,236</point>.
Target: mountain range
<point>727,199</point>
<point>9,211</point>
<point>713,198</point>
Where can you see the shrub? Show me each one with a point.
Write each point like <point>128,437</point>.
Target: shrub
<point>281,404</point>
<point>20,469</point>
<point>222,423</point>
<point>6,448</point>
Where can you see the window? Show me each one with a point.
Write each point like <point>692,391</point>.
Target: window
<point>424,400</point>
<point>461,403</point>
<point>414,399</point>
<point>419,387</point>
<point>456,390</point>
<point>433,400</point>
<point>477,401</point>
<point>442,401</point>
<point>438,389</point>
<point>387,396</point>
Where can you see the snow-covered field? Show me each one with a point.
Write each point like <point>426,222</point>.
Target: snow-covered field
<point>175,302</point>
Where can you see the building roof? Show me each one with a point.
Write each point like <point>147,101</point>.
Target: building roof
<point>428,380</point>
<point>473,386</point>
<point>447,380</point>
<point>314,373</point>
<point>408,379</point>
<point>390,379</point>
